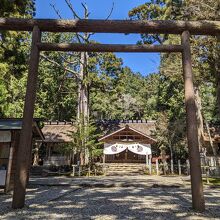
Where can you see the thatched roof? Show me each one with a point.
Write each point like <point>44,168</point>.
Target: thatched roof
<point>143,126</point>
<point>129,134</point>
<point>58,132</point>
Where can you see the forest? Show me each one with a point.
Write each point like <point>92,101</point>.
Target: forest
<point>99,86</point>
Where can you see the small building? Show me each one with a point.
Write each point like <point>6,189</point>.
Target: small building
<point>128,141</point>
<point>9,142</point>
<point>57,138</point>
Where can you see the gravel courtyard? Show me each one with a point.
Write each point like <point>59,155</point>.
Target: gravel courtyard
<point>124,197</point>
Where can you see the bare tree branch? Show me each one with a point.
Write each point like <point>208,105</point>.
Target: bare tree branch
<point>113,4</point>
<point>70,5</point>
<point>56,10</point>
<point>59,65</point>
<point>86,13</point>
<point>69,62</point>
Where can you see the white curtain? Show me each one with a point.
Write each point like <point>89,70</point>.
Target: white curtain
<point>141,149</point>
<point>114,149</point>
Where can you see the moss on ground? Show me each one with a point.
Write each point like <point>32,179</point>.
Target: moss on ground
<point>212,181</point>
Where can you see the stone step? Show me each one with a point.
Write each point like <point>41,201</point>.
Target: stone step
<point>128,169</point>
<point>125,166</point>
<point>124,173</point>
<point>114,169</point>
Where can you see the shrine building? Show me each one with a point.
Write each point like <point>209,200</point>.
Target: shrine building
<point>128,141</point>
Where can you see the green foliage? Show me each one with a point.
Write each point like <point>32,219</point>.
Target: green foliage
<point>14,52</point>
<point>17,8</point>
<point>85,137</point>
<point>170,99</point>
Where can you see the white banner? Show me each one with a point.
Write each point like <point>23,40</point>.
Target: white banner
<point>135,148</point>
<point>114,149</point>
<point>140,149</point>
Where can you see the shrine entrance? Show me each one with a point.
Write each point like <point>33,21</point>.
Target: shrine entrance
<point>183,28</point>
<point>125,157</point>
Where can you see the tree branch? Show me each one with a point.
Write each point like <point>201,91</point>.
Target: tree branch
<point>67,61</point>
<point>113,4</point>
<point>59,65</point>
<point>69,4</point>
<point>56,10</point>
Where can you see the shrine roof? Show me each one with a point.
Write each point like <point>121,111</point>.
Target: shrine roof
<point>143,128</point>
<point>16,124</point>
<point>58,132</point>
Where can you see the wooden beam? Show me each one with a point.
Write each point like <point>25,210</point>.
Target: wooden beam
<point>112,26</point>
<point>24,150</point>
<point>108,47</point>
<point>198,202</point>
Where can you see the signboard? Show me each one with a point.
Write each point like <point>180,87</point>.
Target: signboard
<point>5,136</point>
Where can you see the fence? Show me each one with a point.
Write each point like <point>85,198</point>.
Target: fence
<point>79,170</point>
<point>209,165</point>
<point>159,168</point>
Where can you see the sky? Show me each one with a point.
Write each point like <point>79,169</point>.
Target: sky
<point>144,63</point>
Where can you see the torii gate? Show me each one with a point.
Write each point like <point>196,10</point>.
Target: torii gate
<point>183,28</point>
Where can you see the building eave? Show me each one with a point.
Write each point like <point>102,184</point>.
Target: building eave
<point>124,128</point>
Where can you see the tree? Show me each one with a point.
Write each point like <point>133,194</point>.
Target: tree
<point>14,52</point>
<point>204,54</point>
<point>85,137</point>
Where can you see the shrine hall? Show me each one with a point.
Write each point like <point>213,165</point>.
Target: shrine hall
<point>128,141</point>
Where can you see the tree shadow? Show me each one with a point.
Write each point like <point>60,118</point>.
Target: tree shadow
<point>111,201</point>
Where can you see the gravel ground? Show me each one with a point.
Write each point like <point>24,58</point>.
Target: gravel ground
<point>111,198</point>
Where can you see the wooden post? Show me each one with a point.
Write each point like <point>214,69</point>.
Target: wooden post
<point>150,165</point>
<point>23,155</point>
<point>171,166</point>
<point>147,161</point>
<point>89,171</point>
<point>179,167</point>
<point>126,154</point>
<point>104,159</point>
<point>188,167</point>
<point>73,174</point>
<point>79,173</point>
<point>157,167</point>
<point>198,202</point>
<point>12,152</point>
<point>207,173</point>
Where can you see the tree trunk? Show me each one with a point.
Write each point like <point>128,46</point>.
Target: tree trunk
<point>83,109</point>
<point>83,101</point>
<point>199,119</point>
<point>171,159</point>
<point>213,149</point>
<point>217,73</point>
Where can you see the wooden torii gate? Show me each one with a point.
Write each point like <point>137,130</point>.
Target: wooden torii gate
<point>183,28</point>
